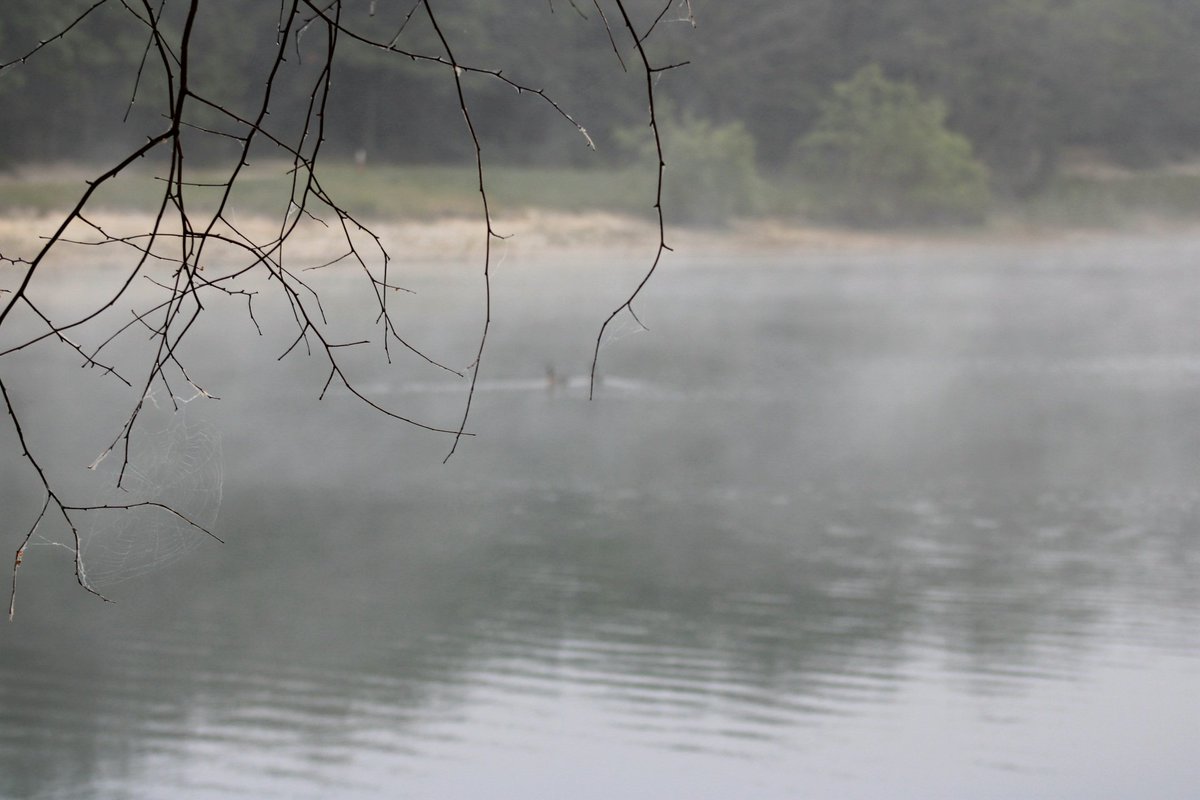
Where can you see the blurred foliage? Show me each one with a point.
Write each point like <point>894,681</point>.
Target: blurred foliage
<point>1025,81</point>
<point>881,155</point>
<point>711,174</point>
<point>1113,201</point>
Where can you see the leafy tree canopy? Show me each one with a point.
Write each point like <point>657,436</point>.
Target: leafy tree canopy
<point>885,156</point>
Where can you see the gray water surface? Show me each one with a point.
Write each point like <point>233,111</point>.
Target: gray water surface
<point>918,524</point>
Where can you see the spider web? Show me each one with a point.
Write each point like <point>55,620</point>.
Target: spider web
<point>623,326</point>
<point>175,459</point>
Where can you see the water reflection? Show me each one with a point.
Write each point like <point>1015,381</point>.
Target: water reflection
<point>891,532</point>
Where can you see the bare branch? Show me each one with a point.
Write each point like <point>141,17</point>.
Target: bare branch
<point>59,35</point>
<point>170,256</point>
<point>489,233</point>
<point>611,39</point>
<point>650,70</point>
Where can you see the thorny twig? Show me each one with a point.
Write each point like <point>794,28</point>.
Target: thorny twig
<point>650,73</point>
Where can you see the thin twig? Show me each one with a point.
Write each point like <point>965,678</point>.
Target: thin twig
<point>649,70</point>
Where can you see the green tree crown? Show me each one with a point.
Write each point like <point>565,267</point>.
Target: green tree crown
<point>883,155</point>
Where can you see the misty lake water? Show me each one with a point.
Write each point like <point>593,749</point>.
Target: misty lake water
<point>918,523</point>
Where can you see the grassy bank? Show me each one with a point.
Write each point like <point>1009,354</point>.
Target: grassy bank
<point>1113,201</point>
<point>374,192</point>
<point>1078,199</point>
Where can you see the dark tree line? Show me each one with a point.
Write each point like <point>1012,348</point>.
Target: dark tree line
<point>1022,79</point>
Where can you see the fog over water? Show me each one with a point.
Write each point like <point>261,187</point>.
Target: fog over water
<point>877,524</point>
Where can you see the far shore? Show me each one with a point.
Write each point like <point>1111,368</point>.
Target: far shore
<point>537,236</point>
<point>432,215</point>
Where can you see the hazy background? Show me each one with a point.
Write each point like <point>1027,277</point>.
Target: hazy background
<point>907,513</point>
<point>983,103</point>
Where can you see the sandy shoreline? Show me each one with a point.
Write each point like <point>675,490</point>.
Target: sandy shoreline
<point>536,237</point>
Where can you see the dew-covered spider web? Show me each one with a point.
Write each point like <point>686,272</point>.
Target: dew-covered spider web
<point>623,325</point>
<point>175,460</point>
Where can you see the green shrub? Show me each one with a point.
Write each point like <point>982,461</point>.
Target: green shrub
<point>881,155</point>
<point>710,175</point>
